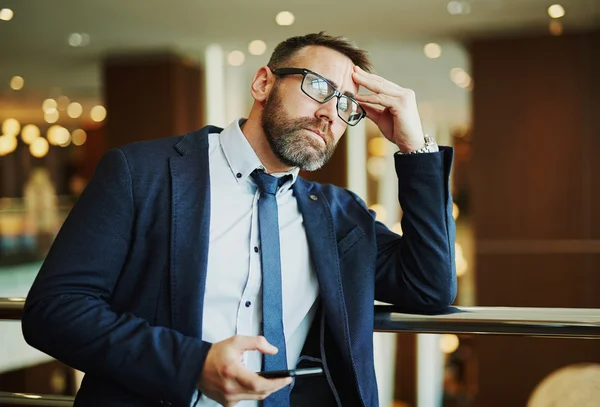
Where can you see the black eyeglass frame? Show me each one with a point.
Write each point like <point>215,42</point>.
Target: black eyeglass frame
<point>336,93</point>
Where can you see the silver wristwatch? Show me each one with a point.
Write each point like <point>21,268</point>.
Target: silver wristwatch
<point>429,147</point>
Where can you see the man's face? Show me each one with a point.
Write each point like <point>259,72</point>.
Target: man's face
<point>302,132</point>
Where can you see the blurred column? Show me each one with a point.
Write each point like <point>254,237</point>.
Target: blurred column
<point>215,86</point>
<point>237,89</point>
<point>430,368</point>
<point>356,156</point>
<point>150,96</point>
<point>535,195</point>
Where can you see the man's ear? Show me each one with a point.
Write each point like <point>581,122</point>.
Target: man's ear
<point>262,84</point>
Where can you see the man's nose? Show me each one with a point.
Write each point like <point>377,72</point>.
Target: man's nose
<point>328,110</point>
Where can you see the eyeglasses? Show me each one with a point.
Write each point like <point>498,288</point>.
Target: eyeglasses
<point>321,90</point>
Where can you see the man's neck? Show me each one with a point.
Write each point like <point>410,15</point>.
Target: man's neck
<point>254,133</point>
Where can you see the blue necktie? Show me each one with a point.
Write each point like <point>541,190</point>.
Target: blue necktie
<point>272,308</point>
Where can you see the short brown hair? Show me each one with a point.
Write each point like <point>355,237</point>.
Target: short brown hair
<point>285,50</point>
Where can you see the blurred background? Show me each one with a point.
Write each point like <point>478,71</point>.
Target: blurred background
<point>513,85</point>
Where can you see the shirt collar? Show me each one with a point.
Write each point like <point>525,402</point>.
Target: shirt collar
<point>241,157</point>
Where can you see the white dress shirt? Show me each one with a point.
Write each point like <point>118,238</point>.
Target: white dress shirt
<point>233,296</point>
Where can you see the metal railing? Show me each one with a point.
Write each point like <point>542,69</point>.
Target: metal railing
<point>521,321</point>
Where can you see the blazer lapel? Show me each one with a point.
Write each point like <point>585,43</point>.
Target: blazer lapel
<point>190,228</point>
<point>322,242</point>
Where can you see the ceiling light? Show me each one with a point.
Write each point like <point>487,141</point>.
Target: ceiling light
<point>74,110</point>
<point>432,50</point>
<point>236,58</point>
<point>285,18</point>
<point>75,39</point>
<point>458,7</point>
<point>556,11</point>
<point>257,47</point>
<point>6,14</point>
<point>98,113</point>
<point>79,39</point>
<point>16,83</point>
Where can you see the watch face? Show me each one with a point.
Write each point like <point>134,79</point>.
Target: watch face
<point>429,140</point>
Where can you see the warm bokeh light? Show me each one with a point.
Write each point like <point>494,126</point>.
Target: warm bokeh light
<point>236,58</point>
<point>461,263</point>
<point>98,113</point>
<point>432,50</point>
<point>74,110</point>
<point>455,211</point>
<point>6,14</point>
<point>257,47</point>
<point>39,147</point>
<point>67,142</point>
<point>51,116</point>
<point>62,102</point>
<point>17,83</point>
<point>29,133</point>
<point>556,27</point>
<point>460,77</point>
<point>79,39</point>
<point>57,135</point>
<point>8,144</point>
<point>377,146</point>
<point>458,7</point>
<point>11,127</point>
<point>381,213</point>
<point>285,18</point>
<point>397,228</point>
<point>449,343</point>
<point>49,105</point>
<point>556,11</point>
<point>79,137</point>
<point>376,166</point>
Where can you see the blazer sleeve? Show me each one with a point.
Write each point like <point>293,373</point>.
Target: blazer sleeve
<point>67,312</point>
<point>417,271</point>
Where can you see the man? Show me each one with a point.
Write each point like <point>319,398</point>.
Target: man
<point>156,284</point>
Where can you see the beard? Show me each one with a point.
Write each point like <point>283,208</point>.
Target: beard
<point>288,139</point>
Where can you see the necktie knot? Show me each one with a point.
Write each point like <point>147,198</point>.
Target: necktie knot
<point>266,183</point>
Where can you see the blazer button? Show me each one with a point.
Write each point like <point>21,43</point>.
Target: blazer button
<point>314,197</point>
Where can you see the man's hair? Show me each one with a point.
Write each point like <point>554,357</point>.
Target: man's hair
<point>285,50</point>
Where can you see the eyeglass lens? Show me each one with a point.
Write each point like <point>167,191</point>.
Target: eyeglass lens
<point>321,91</point>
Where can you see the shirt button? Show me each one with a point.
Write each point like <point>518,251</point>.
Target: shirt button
<point>239,175</point>
<point>248,303</point>
<point>255,249</point>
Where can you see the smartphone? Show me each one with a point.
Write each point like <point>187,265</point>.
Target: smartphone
<point>307,371</point>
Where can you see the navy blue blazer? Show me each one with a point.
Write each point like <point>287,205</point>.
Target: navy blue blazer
<point>120,294</point>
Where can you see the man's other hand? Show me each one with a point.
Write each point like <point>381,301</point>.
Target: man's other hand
<point>226,380</point>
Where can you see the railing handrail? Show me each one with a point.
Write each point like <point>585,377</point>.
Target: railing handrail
<point>11,308</point>
<point>523,321</point>
<point>547,322</point>
<point>38,400</point>
<point>550,322</point>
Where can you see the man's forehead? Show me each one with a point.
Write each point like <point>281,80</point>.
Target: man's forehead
<point>334,66</point>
